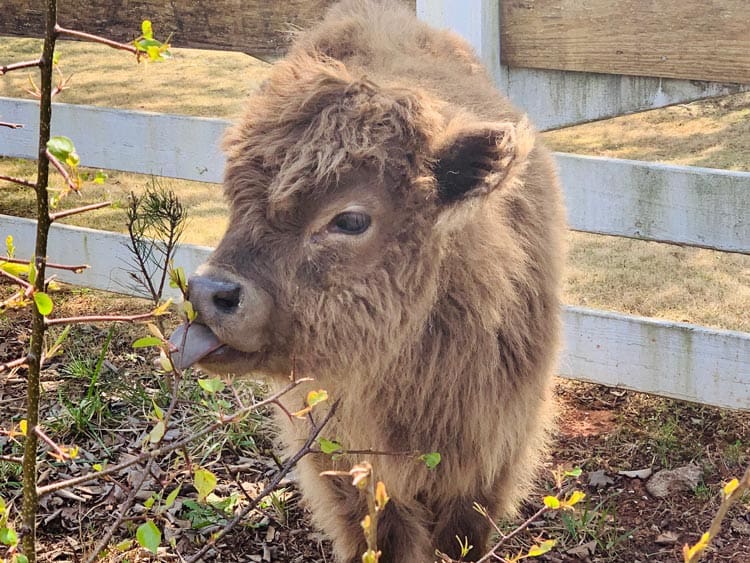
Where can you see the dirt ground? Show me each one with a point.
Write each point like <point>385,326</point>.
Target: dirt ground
<point>603,431</point>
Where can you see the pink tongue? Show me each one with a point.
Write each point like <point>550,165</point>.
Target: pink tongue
<point>192,342</point>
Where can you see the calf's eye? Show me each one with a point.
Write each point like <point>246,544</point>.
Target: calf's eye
<point>350,223</point>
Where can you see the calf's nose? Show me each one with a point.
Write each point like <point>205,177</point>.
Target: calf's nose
<point>208,294</point>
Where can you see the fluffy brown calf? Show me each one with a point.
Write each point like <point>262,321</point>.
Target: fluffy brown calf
<point>395,233</point>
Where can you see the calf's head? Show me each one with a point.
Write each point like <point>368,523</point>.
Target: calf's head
<point>344,199</point>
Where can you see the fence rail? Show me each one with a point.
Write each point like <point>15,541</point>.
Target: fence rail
<point>679,204</point>
<point>676,360</point>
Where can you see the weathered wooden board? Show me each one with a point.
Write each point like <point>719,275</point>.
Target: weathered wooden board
<point>691,39</point>
<point>685,204</point>
<point>678,360</point>
<point>669,359</point>
<point>555,98</point>
<point>257,27</point>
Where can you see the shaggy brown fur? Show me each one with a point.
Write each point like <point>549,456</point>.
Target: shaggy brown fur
<point>437,325</point>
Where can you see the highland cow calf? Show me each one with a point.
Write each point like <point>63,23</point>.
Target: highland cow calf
<point>395,233</point>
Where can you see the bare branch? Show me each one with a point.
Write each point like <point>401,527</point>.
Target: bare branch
<point>59,452</point>
<point>10,459</point>
<point>13,364</point>
<point>18,66</point>
<point>288,466</point>
<point>72,268</point>
<point>224,420</point>
<point>61,169</point>
<point>95,39</point>
<point>19,181</point>
<point>16,280</point>
<point>98,319</point>
<point>68,212</point>
<point>11,125</point>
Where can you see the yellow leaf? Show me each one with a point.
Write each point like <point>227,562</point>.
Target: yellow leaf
<point>315,397</point>
<point>366,523</point>
<point>552,502</point>
<point>730,487</point>
<point>541,549</point>
<point>302,412</point>
<point>381,496</point>
<point>163,308</point>
<point>154,330</point>
<point>165,362</point>
<point>23,425</point>
<point>689,553</point>
<point>72,452</point>
<point>573,499</point>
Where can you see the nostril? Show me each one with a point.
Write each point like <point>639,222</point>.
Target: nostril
<point>209,294</point>
<point>227,299</point>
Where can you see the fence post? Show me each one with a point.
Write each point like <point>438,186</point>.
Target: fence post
<point>477,21</point>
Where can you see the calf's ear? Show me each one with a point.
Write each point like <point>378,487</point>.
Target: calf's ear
<point>474,160</point>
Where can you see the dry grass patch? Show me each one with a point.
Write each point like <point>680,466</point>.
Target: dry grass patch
<point>713,133</point>
<point>193,82</point>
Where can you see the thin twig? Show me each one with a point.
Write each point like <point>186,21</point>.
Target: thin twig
<point>288,466</point>
<point>18,66</point>
<point>71,268</point>
<point>77,210</point>
<point>17,363</point>
<point>11,300</point>
<point>19,181</point>
<point>98,319</point>
<point>59,452</point>
<point>222,421</point>
<point>95,39</point>
<point>11,125</point>
<point>16,280</point>
<point>61,169</point>
<point>10,459</point>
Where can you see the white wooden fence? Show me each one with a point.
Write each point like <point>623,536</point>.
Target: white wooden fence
<point>684,205</point>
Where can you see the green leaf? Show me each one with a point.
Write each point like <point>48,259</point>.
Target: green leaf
<point>10,247</point>
<point>147,29</point>
<point>100,177</point>
<point>148,536</point>
<point>158,412</point>
<point>147,341</point>
<point>8,536</point>
<point>177,279</point>
<point>213,385</point>
<point>61,148</point>
<point>149,502</point>
<point>157,432</point>
<point>329,446</point>
<point>205,482</point>
<point>15,269</point>
<point>20,558</point>
<point>574,472</point>
<point>32,271</point>
<point>172,496</point>
<point>43,303</point>
<point>189,310</point>
<point>431,460</point>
